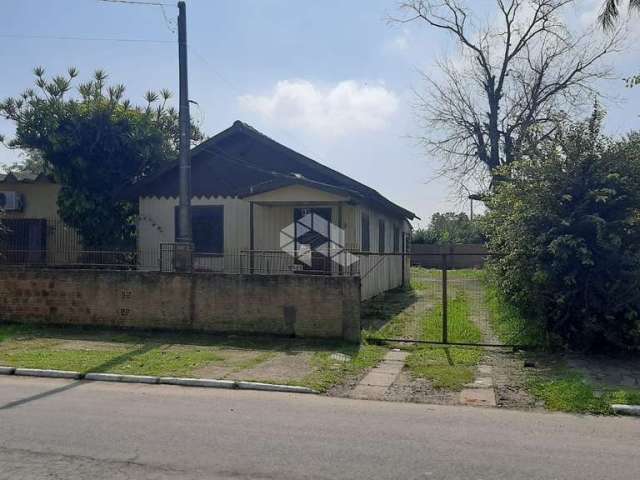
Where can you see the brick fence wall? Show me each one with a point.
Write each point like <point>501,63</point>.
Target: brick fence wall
<point>300,305</point>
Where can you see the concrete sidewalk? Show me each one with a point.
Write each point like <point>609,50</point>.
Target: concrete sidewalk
<point>375,383</point>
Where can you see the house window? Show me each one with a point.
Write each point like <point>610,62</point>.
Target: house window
<point>366,241</point>
<point>381,235</point>
<point>207,224</point>
<point>396,239</point>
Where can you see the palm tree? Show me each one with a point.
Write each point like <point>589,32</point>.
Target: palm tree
<point>611,11</point>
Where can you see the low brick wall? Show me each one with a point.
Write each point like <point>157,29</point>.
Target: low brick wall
<point>300,305</point>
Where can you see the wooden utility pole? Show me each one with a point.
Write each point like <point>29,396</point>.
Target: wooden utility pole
<point>184,205</point>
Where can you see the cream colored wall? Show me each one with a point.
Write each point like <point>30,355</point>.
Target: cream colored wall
<point>294,193</point>
<point>40,199</point>
<point>40,202</point>
<point>379,273</point>
<point>156,222</point>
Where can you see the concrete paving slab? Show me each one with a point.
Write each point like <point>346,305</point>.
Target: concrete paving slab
<point>380,379</point>
<point>484,397</point>
<point>396,355</point>
<point>368,392</point>
<point>374,385</point>
<point>481,382</point>
<point>388,367</point>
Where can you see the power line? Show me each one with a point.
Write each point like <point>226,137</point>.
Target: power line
<point>97,39</point>
<point>134,2</point>
<point>167,22</point>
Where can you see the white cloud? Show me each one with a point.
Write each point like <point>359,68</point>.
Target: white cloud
<point>346,107</point>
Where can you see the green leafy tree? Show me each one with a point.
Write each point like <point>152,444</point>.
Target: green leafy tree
<point>96,144</point>
<point>567,223</point>
<point>449,227</point>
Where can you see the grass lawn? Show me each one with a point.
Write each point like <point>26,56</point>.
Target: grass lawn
<point>560,388</point>
<point>447,367</point>
<point>314,364</point>
<point>416,313</point>
<point>566,390</point>
<point>509,325</point>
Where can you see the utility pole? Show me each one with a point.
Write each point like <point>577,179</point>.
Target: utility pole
<point>184,205</point>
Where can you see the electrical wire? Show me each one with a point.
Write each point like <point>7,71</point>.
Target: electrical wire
<point>170,26</point>
<point>135,2</point>
<point>98,39</point>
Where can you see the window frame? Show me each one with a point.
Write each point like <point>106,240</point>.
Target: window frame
<point>382,233</point>
<point>217,241</point>
<point>365,233</point>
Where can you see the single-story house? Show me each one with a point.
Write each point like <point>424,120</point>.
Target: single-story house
<point>34,231</point>
<point>260,206</point>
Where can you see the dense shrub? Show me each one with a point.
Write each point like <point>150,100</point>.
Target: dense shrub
<point>449,227</point>
<point>567,223</point>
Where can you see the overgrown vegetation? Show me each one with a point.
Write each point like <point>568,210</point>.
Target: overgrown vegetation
<point>447,367</point>
<point>567,223</point>
<point>567,391</point>
<point>509,324</point>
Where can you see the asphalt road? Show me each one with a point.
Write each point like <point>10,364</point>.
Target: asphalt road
<point>58,429</point>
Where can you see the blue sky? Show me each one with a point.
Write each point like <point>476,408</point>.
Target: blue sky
<point>331,79</point>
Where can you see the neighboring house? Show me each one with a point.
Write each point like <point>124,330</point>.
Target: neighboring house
<point>247,189</point>
<point>34,233</point>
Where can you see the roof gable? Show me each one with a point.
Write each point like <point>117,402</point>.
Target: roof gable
<point>240,157</point>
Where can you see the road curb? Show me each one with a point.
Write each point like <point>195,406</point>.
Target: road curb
<point>37,372</point>
<point>621,409</point>
<point>114,377</point>
<point>270,387</point>
<point>184,382</point>
<point>197,382</point>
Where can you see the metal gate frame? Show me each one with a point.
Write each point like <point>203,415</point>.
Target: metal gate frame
<point>445,264</point>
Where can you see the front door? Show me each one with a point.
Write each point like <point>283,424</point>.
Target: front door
<point>312,239</point>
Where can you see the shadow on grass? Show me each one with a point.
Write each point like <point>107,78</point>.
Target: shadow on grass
<point>149,339</point>
<point>104,367</point>
<point>378,311</point>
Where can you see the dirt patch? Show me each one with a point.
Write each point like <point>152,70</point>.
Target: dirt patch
<point>94,345</point>
<point>233,361</point>
<point>418,390</point>
<point>606,372</point>
<point>510,379</point>
<point>344,388</point>
<point>284,367</point>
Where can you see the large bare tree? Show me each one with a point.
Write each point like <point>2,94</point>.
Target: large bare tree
<point>510,83</point>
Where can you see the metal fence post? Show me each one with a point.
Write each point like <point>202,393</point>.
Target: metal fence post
<point>445,327</point>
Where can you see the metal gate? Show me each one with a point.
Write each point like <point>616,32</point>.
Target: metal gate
<point>445,303</point>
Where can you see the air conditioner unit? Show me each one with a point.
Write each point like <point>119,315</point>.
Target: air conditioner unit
<point>11,201</point>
